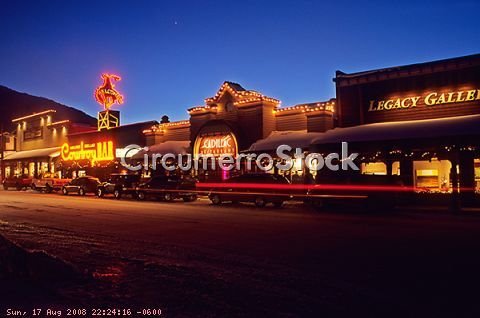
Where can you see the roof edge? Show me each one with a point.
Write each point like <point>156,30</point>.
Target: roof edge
<point>454,60</point>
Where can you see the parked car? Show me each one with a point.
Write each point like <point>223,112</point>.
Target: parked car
<point>49,182</point>
<point>81,186</point>
<point>168,188</point>
<point>119,184</point>
<point>260,189</point>
<point>17,182</point>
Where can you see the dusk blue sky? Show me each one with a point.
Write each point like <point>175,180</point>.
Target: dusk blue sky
<point>172,55</point>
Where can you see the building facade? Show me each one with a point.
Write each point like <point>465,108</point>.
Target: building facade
<point>98,152</point>
<point>38,140</point>
<point>237,120</point>
<point>421,122</point>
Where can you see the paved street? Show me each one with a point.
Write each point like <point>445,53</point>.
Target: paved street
<point>195,259</point>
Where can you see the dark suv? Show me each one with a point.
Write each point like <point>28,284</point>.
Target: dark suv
<point>119,184</point>
<point>81,186</point>
<point>260,189</point>
<point>168,188</point>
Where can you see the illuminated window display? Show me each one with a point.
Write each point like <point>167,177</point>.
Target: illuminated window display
<point>433,175</point>
<point>379,168</point>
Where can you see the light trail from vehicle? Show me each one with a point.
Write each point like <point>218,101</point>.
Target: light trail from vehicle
<point>308,187</point>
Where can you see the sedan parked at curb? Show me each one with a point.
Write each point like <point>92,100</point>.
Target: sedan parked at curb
<point>119,184</point>
<point>81,186</point>
<point>168,188</point>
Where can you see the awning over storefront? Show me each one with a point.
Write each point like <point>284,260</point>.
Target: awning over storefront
<point>295,139</point>
<point>403,130</point>
<point>175,147</point>
<point>36,153</point>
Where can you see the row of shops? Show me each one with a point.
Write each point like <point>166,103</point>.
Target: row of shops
<point>418,122</point>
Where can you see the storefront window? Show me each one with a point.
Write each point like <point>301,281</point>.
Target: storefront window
<point>297,166</point>
<point>433,175</point>
<point>379,168</point>
<point>18,169</point>
<point>31,169</point>
<point>44,167</point>
<point>374,168</point>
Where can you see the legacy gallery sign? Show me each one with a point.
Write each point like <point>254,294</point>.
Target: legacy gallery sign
<point>430,99</point>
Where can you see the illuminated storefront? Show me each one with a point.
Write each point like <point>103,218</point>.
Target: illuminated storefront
<point>236,120</point>
<point>421,122</point>
<point>44,143</point>
<point>97,153</point>
<point>214,141</point>
<point>39,138</point>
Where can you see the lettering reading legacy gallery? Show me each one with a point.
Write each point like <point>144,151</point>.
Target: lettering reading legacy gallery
<point>430,99</point>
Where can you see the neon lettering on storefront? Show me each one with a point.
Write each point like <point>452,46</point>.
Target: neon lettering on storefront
<point>431,99</point>
<point>216,145</point>
<point>93,152</point>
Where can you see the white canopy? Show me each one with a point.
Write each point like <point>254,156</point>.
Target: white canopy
<point>401,130</point>
<point>35,153</point>
<point>295,139</point>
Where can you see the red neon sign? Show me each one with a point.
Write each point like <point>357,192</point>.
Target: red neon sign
<point>216,145</point>
<point>106,94</point>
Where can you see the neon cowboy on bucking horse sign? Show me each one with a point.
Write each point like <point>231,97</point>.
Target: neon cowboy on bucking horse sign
<point>106,94</point>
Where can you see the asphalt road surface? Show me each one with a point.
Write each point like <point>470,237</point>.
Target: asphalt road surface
<point>196,259</point>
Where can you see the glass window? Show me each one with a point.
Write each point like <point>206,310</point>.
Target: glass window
<point>432,175</point>
<point>374,168</point>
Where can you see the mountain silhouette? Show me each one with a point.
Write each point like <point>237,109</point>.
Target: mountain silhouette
<point>15,104</point>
